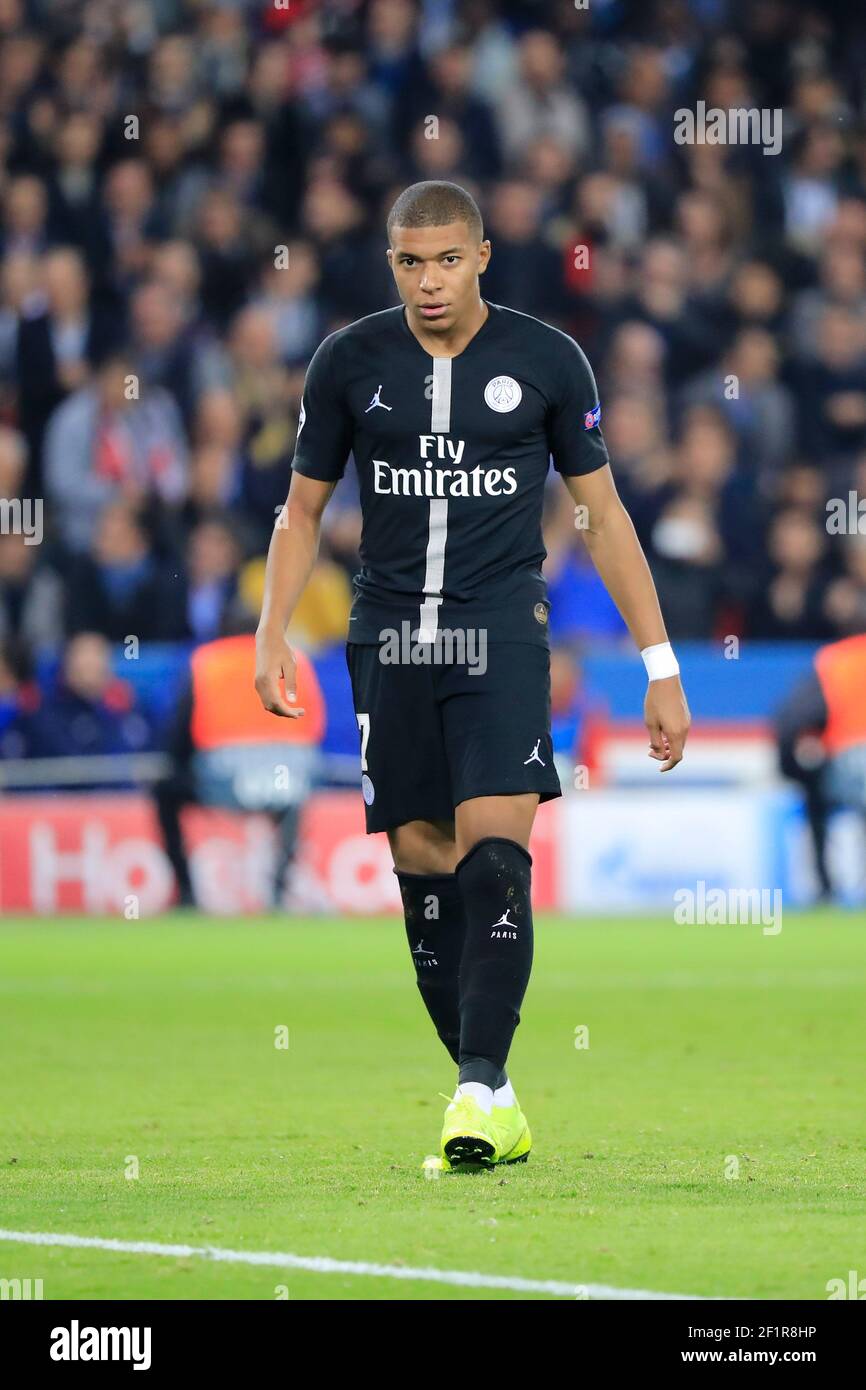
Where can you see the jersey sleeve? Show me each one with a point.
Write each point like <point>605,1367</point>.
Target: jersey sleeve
<point>324,437</point>
<point>573,430</point>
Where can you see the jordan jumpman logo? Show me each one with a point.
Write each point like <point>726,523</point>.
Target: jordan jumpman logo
<point>533,757</point>
<point>376,402</point>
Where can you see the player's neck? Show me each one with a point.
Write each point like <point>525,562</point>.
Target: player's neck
<point>452,343</point>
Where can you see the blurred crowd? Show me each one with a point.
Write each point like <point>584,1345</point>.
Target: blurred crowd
<point>194,194</point>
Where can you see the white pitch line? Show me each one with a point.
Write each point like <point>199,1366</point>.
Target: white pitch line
<point>322,1264</point>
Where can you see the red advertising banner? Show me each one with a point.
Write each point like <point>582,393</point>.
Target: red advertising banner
<point>101,853</point>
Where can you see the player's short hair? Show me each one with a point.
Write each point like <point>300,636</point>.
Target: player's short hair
<point>435,203</point>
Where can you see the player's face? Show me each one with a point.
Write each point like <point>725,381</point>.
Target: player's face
<point>436,270</point>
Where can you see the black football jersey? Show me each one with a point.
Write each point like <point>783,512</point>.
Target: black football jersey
<point>452,454</point>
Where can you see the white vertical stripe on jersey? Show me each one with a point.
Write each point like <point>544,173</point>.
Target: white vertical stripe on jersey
<point>435,569</point>
<point>440,415</point>
<point>440,423</point>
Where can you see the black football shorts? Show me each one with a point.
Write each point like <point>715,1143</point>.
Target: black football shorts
<point>434,735</point>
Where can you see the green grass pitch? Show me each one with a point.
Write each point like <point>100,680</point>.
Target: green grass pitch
<point>709,1140</point>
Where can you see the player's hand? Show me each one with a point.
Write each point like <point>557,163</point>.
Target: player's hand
<point>667,717</point>
<point>275,662</point>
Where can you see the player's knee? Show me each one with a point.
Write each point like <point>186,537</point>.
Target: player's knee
<point>422,847</point>
<point>493,864</point>
<point>491,818</point>
<point>492,834</point>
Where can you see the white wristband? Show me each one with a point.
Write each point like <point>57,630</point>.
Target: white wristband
<point>660,661</point>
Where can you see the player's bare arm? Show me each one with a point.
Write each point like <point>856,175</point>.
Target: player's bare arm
<point>609,535</point>
<point>291,557</point>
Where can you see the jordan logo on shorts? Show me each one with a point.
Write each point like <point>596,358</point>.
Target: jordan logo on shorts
<point>511,934</point>
<point>376,402</point>
<point>534,757</point>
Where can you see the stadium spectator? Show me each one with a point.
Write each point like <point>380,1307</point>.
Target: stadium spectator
<point>811,190</point>
<point>60,335</point>
<point>122,589</point>
<point>756,298</point>
<point>540,102</point>
<point>845,599</point>
<point>212,562</point>
<point>688,565</point>
<point>90,711</point>
<point>131,219</point>
<point>74,188</point>
<point>103,443</point>
<point>167,351</point>
<point>789,605</point>
<point>31,595</point>
<point>759,407</point>
<point>660,299</point>
<point>228,246</point>
<point>526,271</point>
<point>842,283</point>
<point>18,280</point>
<point>831,387</point>
<point>259,385</point>
<point>25,217</point>
<point>447,90</point>
<point>289,294</point>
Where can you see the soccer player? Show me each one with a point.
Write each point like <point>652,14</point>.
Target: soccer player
<point>453,407</point>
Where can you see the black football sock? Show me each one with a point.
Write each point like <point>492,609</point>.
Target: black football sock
<point>495,880</point>
<point>436,930</point>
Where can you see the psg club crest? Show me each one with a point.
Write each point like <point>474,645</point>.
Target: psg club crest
<point>503,393</point>
<point>592,417</point>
